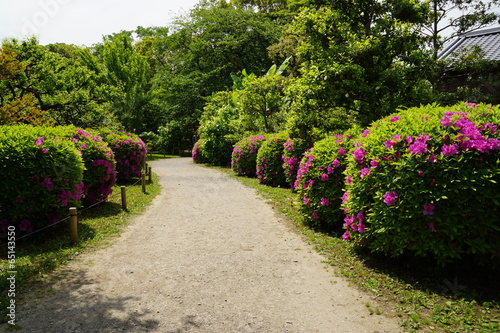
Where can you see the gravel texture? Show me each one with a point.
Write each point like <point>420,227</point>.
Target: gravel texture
<point>209,255</point>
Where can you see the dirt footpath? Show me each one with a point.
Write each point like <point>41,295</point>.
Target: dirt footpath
<point>208,256</point>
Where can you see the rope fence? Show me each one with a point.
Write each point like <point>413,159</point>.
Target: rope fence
<point>74,212</point>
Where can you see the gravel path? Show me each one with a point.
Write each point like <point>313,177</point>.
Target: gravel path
<point>208,256</point>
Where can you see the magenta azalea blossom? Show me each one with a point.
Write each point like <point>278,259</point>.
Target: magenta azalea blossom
<point>449,150</point>
<point>359,155</point>
<point>394,119</point>
<point>346,236</point>
<point>325,202</point>
<point>364,172</point>
<point>429,209</point>
<point>390,198</point>
<point>324,177</point>
<point>418,148</point>
<point>39,141</point>
<point>315,215</point>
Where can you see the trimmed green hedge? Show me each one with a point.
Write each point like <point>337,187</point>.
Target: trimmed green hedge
<point>41,177</point>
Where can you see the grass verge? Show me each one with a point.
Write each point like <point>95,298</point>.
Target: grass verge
<point>424,296</point>
<point>40,254</point>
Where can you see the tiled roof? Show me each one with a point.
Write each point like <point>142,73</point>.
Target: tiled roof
<point>487,39</point>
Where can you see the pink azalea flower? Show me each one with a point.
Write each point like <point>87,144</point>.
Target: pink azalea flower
<point>47,184</point>
<point>39,141</point>
<point>429,209</point>
<point>325,202</point>
<point>324,177</point>
<point>359,155</point>
<point>342,151</point>
<point>346,236</point>
<point>418,148</point>
<point>364,172</point>
<point>390,198</point>
<point>315,215</point>
<point>449,150</point>
<point>394,119</point>
<point>373,164</point>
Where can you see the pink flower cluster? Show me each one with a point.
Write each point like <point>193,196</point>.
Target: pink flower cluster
<point>354,223</point>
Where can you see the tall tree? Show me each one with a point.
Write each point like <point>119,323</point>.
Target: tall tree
<point>128,74</point>
<point>362,59</point>
<point>57,80</point>
<point>204,48</point>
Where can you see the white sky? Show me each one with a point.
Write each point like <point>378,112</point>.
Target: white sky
<point>84,22</point>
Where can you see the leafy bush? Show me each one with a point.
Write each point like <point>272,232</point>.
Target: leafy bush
<point>130,153</point>
<point>218,135</point>
<point>41,177</point>
<point>244,156</point>
<point>320,181</point>
<point>198,152</point>
<point>270,161</point>
<point>425,181</point>
<point>293,152</point>
<point>100,165</point>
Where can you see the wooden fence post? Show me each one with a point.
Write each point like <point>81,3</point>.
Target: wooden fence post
<point>143,176</point>
<point>73,225</point>
<point>150,177</point>
<point>124,197</point>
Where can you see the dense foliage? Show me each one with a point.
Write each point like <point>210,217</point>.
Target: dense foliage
<point>130,153</point>
<point>425,181</point>
<point>41,177</point>
<point>270,161</point>
<point>320,181</point>
<point>294,149</point>
<point>244,155</point>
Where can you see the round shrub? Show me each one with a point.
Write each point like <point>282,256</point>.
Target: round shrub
<point>130,153</point>
<point>100,165</point>
<point>425,181</point>
<point>269,165</point>
<point>294,149</point>
<point>41,177</point>
<point>320,182</point>
<point>197,153</point>
<point>244,156</point>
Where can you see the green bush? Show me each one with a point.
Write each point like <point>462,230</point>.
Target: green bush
<point>269,165</point>
<point>218,135</point>
<point>130,153</point>
<point>294,149</point>
<point>425,181</point>
<point>198,152</point>
<point>320,181</point>
<point>244,155</point>
<point>41,177</point>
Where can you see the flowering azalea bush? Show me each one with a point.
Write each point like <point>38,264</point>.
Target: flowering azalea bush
<point>425,181</point>
<point>100,165</point>
<point>130,153</point>
<point>41,177</point>
<point>294,149</point>
<point>270,161</point>
<point>244,155</point>
<point>320,181</point>
<point>198,152</point>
